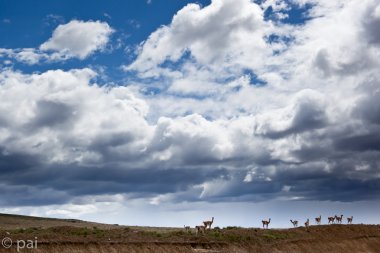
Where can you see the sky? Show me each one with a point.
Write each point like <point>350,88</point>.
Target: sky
<point>168,113</point>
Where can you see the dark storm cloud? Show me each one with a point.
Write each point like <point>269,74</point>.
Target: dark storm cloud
<point>143,181</point>
<point>105,144</point>
<point>337,189</point>
<point>360,142</point>
<point>26,195</point>
<point>368,107</point>
<point>347,169</point>
<point>371,25</point>
<point>308,114</point>
<point>312,152</point>
<point>111,140</point>
<point>53,183</point>
<point>30,182</point>
<point>51,114</point>
<point>308,181</point>
<point>14,163</point>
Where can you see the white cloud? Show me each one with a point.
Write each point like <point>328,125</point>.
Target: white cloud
<point>71,210</point>
<point>29,55</point>
<point>78,38</point>
<point>312,80</point>
<point>220,32</point>
<point>63,107</point>
<point>175,140</point>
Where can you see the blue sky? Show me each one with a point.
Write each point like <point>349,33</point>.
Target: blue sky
<point>123,15</point>
<point>132,20</point>
<point>121,110</point>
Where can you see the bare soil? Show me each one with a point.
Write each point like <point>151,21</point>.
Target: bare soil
<point>58,235</point>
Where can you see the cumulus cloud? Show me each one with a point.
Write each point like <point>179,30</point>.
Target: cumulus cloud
<point>239,116</point>
<point>27,55</point>
<point>216,33</point>
<point>67,126</point>
<point>305,113</point>
<point>315,103</point>
<point>54,103</point>
<point>78,38</point>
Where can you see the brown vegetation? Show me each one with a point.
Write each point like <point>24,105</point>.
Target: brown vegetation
<point>78,236</point>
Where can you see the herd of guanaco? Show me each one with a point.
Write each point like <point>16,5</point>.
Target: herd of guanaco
<point>331,220</point>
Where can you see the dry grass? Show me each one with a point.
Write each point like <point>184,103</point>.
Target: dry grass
<point>10,221</point>
<point>62,236</point>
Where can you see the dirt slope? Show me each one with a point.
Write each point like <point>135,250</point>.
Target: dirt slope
<point>11,221</point>
<point>55,235</point>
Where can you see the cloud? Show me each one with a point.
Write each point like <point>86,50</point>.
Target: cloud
<point>71,127</point>
<point>307,112</point>
<point>212,34</point>
<point>53,20</point>
<point>372,23</point>
<point>234,115</point>
<point>67,134</point>
<point>78,38</point>
<point>55,103</point>
<point>27,55</point>
<point>176,139</point>
<point>314,110</point>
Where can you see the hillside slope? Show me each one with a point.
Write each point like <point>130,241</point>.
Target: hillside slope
<point>56,235</point>
<point>12,221</point>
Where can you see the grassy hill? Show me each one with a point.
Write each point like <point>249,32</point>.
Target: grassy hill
<point>67,235</point>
